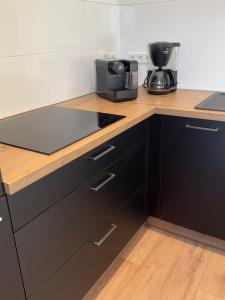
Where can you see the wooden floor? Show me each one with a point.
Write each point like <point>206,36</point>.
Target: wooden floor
<point>158,266</point>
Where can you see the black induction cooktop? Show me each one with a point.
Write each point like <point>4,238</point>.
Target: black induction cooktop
<point>214,102</point>
<point>52,128</point>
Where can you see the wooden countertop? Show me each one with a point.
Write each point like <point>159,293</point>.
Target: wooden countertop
<point>22,167</point>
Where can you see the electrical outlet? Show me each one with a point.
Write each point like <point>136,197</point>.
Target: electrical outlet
<point>108,55</point>
<point>141,57</point>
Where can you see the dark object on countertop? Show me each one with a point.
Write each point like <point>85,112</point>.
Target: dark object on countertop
<point>213,102</point>
<point>1,186</point>
<point>52,128</point>
<point>161,81</point>
<point>117,80</point>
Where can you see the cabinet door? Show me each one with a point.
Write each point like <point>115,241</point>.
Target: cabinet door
<point>193,189</point>
<point>10,279</point>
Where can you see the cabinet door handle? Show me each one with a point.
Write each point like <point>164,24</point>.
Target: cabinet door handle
<point>103,153</point>
<point>202,128</point>
<point>102,184</point>
<point>99,243</point>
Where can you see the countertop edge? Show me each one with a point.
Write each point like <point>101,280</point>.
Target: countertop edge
<point>13,187</point>
<point>180,104</point>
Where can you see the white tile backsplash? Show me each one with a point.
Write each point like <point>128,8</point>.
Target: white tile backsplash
<point>48,49</point>
<point>198,25</point>
<point>31,26</point>
<point>33,81</point>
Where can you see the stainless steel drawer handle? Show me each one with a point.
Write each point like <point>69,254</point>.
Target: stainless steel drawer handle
<point>103,153</point>
<point>101,185</point>
<point>202,128</point>
<point>99,243</point>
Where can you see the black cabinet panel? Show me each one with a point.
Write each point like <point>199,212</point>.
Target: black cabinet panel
<point>47,242</point>
<point>1,186</point>
<point>36,198</point>
<point>10,278</point>
<point>154,165</point>
<point>193,189</point>
<point>77,276</point>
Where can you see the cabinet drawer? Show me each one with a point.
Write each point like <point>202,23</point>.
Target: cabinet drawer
<point>11,286</point>
<point>78,275</point>
<point>36,198</point>
<point>47,242</point>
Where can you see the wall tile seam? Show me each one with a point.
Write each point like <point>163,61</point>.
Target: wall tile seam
<point>183,46</point>
<point>129,3</point>
<point>60,52</point>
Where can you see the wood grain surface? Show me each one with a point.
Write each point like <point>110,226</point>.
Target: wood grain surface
<point>22,167</point>
<point>157,265</point>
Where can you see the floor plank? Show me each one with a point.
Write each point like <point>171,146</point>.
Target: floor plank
<point>153,270</point>
<point>186,273</point>
<point>160,266</point>
<point>200,295</point>
<point>119,281</point>
<point>213,280</point>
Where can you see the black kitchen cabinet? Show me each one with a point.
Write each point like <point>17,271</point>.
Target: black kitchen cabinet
<point>11,286</point>
<point>59,234</point>
<point>47,242</point>
<point>193,169</point>
<point>79,273</point>
<point>36,198</point>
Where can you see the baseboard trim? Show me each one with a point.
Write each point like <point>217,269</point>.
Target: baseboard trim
<point>188,234</point>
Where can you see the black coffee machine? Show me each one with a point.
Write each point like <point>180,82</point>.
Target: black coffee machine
<point>161,81</point>
<point>117,80</point>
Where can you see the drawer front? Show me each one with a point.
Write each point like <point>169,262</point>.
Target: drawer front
<point>11,286</point>
<point>47,242</point>
<point>36,198</point>
<point>78,275</point>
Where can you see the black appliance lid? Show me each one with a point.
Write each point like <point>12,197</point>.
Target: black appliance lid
<point>165,44</point>
<point>52,128</point>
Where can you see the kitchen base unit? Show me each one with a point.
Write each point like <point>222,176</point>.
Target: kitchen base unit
<point>191,175</point>
<point>70,225</point>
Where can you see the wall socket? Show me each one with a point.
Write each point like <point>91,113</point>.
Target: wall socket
<point>108,55</point>
<point>141,57</point>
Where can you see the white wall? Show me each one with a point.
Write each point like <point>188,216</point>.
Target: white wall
<point>48,48</point>
<point>198,24</point>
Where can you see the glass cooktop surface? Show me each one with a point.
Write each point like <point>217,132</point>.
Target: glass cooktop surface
<point>52,128</point>
<point>214,102</point>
